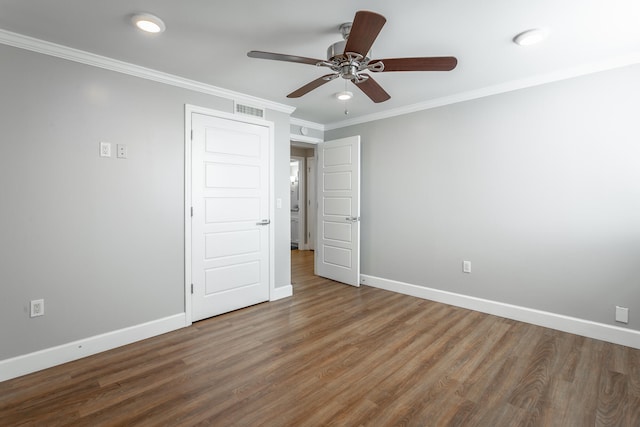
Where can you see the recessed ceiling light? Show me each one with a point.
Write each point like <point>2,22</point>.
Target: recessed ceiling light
<point>149,23</point>
<point>530,37</point>
<point>345,95</point>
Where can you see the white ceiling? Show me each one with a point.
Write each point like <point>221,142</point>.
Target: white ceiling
<point>208,41</point>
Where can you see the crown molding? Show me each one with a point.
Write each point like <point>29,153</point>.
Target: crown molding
<point>64,52</point>
<point>52,49</point>
<point>609,64</point>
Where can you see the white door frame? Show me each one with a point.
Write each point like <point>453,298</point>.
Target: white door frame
<point>188,111</point>
<point>302,197</point>
<point>311,202</point>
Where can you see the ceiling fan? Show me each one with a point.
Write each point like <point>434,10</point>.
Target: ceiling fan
<point>348,59</point>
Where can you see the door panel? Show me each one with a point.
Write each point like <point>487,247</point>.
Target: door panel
<point>224,209</point>
<point>231,243</point>
<point>232,277</point>
<point>230,196</point>
<point>337,231</point>
<point>337,181</point>
<point>338,244</point>
<point>338,257</point>
<point>337,206</point>
<point>220,175</point>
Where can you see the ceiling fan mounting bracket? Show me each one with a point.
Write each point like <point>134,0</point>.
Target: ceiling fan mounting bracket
<point>345,29</point>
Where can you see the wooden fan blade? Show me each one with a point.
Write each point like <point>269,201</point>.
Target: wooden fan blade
<point>311,86</point>
<point>436,63</point>
<point>364,30</point>
<point>282,57</point>
<point>373,90</point>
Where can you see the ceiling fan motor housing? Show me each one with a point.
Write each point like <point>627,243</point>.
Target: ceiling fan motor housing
<point>336,49</point>
<point>346,65</point>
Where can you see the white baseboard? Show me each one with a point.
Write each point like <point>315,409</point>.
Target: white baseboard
<point>281,292</point>
<point>32,362</point>
<point>573,325</point>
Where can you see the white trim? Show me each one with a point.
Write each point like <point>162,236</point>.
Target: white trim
<point>305,123</point>
<point>272,210</point>
<point>188,129</point>
<point>36,361</point>
<point>302,201</point>
<point>188,111</point>
<point>59,51</point>
<point>573,325</point>
<point>307,139</point>
<point>281,292</point>
<point>514,85</point>
<point>312,203</point>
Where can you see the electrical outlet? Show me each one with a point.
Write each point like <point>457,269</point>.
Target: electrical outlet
<point>105,149</point>
<point>466,266</point>
<point>121,151</point>
<point>622,314</point>
<point>37,308</point>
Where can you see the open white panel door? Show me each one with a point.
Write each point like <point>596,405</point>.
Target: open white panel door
<point>338,246</point>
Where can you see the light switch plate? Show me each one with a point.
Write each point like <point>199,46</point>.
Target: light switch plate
<point>466,266</point>
<point>105,149</point>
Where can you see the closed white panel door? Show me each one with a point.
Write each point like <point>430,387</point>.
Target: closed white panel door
<point>230,223</point>
<point>338,246</point>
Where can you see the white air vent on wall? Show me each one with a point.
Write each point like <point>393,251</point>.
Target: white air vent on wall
<point>249,111</point>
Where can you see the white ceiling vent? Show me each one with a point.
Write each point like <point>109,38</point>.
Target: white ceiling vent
<point>248,110</point>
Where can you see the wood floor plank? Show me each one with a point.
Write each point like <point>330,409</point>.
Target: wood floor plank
<point>633,358</point>
<point>612,399</point>
<point>337,355</point>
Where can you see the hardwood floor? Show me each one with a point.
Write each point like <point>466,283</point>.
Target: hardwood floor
<point>337,355</point>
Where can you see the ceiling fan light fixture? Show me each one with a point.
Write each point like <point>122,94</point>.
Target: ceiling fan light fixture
<point>148,23</point>
<point>345,95</point>
<point>531,37</point>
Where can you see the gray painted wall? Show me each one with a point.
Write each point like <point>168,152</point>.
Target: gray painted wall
<point>538,188</point>
<point>282,184</point>
<point>100,239</point>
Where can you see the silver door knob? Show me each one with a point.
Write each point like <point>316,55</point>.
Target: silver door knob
<point>264,222</point>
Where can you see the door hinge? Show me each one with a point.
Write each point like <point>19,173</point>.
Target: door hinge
<point>192,288</point>
<point>192,134</point>
<point>192,211</point>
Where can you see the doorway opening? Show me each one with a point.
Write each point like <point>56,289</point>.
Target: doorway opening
<point>302,194</point>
